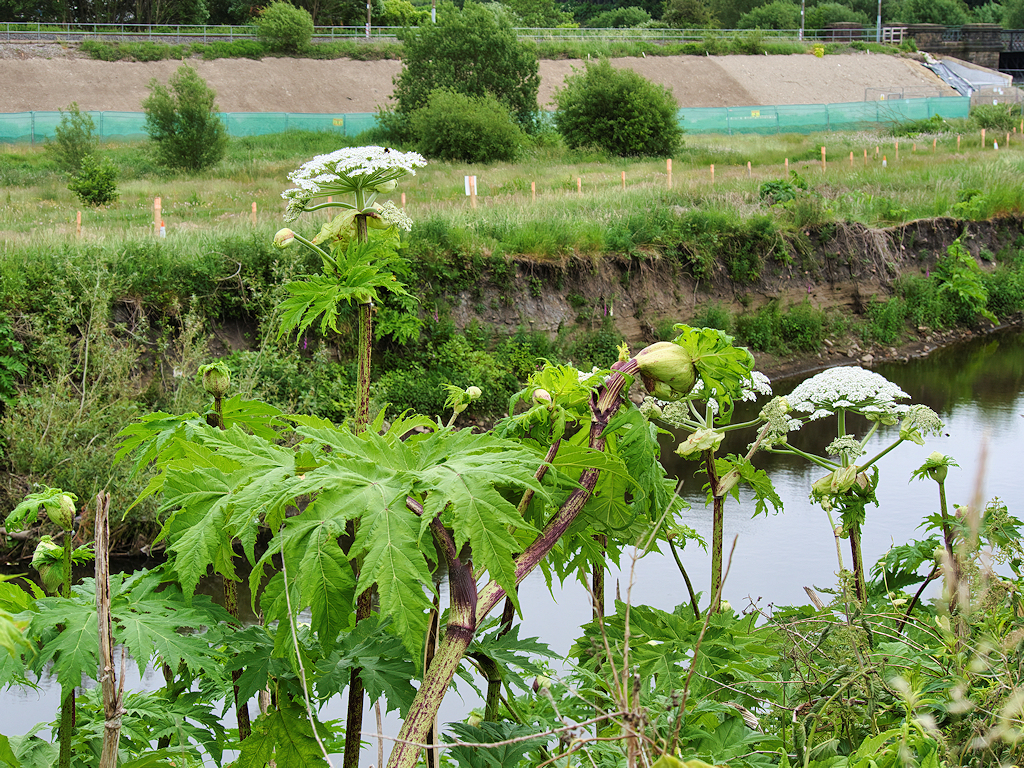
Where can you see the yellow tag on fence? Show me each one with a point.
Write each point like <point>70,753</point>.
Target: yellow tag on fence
<point>339,121</point>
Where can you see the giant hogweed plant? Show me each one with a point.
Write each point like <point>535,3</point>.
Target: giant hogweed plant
<point>354,513</point>
<point>702,399</point>
<point>850,486</point>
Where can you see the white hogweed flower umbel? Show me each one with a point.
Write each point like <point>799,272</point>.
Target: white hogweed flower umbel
<point>851,388</point>
<point>349,170</point>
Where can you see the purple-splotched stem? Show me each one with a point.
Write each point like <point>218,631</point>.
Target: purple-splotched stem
<point>354,720</point>
<point>468,608</point>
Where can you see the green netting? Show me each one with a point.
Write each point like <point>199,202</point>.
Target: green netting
<point>123,126</point>
<point>812,118</point>
<point>789,118</point>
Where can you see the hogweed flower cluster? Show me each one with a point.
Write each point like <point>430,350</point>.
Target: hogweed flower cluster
<point>360,171</point>
<point>849,388</point>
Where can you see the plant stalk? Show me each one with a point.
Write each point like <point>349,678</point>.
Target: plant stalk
<point>112,689</point>
<point>67,706</point>
<point>462,626</point>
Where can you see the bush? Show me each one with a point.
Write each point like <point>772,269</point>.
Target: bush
<point>472,129</point>
<point>283,28</point>
<point>689,14</point>
<point>996,117</point>
<point>778,14</point>
<point>95,183</point>
<point>450,54</point>
<point>183,123</point>
<point>620,18</point>
<point>619,111</point>
<point>74,138</point>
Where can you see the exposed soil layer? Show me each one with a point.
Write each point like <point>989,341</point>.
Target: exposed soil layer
<point>48,77</point>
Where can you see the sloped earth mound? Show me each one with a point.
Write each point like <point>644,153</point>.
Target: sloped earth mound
<point>47,77</point>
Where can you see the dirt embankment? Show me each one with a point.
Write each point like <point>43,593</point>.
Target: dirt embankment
<point>49,77</point>
<point>843,268</point>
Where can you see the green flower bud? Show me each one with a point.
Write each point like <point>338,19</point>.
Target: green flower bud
<point>666,370</point>
<point>728,481</point>
<point>48,560</point>
<point>541,683</point>
<point>216,378</point>
<point>474,719</point>
<point>284,238</point>
<point>937,473</point>
<point>700,441</point>
<point>541,396</point>
<point>474,393</point>
<point>64,515</point>
<point>387,186</point>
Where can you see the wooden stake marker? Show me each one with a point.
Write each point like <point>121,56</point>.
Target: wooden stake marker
<point>934,142</point>
<point>668,170</point>
<point>533,191</point>
<point>78,224</point>
<point>823,159</point>
<point>982,137</point>
<point>623,181</point>
<point>957,143</point>
<point>712,173</point>
<point>749,170</point>
<point>865,156</point>
<point>157,213</point>
<point>851,159</point>
<point>787,166</point>
<point>897,150</point>
<point>579,184</point>
<point>403,201</point>
<point>254,214</point>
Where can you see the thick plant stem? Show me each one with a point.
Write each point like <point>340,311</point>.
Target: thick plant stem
<point>858,563</point>
<point>363,374</point>
<point>67,706</point>
<point>241,707</point>
<point>458,634</point>
<point>354,718</point>
<point>460,631</point>
<point>717,532</point>
<point>597,581</point>
<point>112,689</point>
<point>216,419</point>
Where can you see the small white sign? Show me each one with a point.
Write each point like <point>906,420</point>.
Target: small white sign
<point>470,185</point>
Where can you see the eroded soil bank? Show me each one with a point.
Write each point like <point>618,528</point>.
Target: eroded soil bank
<point>839,267</point>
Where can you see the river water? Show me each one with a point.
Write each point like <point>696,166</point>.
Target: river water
<point>976,387</point>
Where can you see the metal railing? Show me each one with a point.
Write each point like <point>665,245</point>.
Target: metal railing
<point>183,33</point>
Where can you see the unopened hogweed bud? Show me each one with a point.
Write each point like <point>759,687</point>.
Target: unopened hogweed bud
<point>63,515</point>
<point>699,441</point>
<point>284,238</point>
<point>666,370</point>
<point>216,378</point>
<point>48,560</point>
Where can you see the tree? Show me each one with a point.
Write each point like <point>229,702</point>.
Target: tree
<point>183,123</point>
<point>471,52</point>
<point>74,137</point>
<point>618,111</point>
<point>952,13</point>
<point>283,28</point>
<point>689,14</point>
<point>778,14</point>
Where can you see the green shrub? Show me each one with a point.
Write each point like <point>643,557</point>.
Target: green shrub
<point>996,117</point>
<point>182,122</point>
<point>886,320</point>
<point>96,182</point>
<point>589,348</point>
<point>1005,287</point>
<point>283,28</point>
<point>618,111</point>
<point>778,14</point>
<point>74,137</point>
<point>712,316</point>
<point>472,129</point>
<point>619,18</point>
<point>801,327</point>
<point>402,13</point>
<point>449,55</point>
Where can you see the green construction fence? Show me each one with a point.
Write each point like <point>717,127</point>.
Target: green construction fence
<point>790,118</point>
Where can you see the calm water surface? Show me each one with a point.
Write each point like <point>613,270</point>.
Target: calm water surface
<point>977,388</point>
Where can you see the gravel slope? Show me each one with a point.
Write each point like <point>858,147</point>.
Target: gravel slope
<point>48,77</point>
